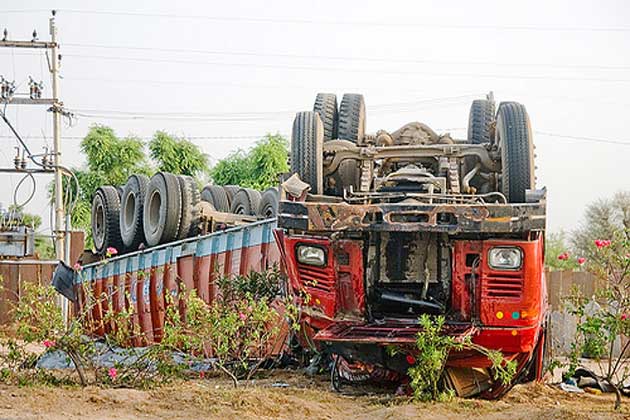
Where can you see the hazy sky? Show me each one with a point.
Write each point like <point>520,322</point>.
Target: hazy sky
<point>226,73</point>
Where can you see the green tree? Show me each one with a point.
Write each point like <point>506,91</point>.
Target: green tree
<point>603,219</point>
<point>110,161</point>
<point>258,168</point>
<point>557,254</point>
<point>177,155</point>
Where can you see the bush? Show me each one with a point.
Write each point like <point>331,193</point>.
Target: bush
<point>431,353</point>
<point>598,330</point>
<point>239,331</point>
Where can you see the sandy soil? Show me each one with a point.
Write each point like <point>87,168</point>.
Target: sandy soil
<point>302,398</point>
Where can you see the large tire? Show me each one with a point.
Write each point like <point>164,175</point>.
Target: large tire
<point>190,199</point>
<point>246,202</point>
<point>131,211</point>
<point>352,118</point>
<point>326,106</point>
<point>307,140</point>
<point>514,137</point>
<point>105,219</point>
<point>217,196</point>
<point>268,207</point>
<point>162,209</point>
<point>481,121</point>
<point>230,191</point>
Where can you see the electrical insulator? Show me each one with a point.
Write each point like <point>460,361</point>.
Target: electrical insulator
<point>35,88</point>
<point>17,160</point>
<point>7,89</point>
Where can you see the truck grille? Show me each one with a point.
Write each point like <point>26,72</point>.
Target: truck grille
<point>317,278</point>
<point>503,286</point>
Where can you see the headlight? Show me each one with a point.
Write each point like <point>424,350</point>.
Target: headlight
<point>311,255</point>
<point>505,258</point>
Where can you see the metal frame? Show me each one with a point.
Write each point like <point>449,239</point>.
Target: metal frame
<point>448,218</point>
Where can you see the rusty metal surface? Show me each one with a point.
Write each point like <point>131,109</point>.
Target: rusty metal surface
<point>448,218</point>
<point>384,334</point>
<point>337,152</point>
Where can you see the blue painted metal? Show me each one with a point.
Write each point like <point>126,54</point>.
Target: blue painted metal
<point>250,235</point>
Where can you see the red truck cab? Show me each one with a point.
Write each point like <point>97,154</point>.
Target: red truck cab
<point>409,223</point>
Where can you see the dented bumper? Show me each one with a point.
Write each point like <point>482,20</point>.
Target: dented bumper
<point>447,218</point>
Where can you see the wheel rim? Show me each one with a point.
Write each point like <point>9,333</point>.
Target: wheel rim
<point>155,203</point>
<point>129,212</point>
<point>99,225</point>
<point>240,209</point>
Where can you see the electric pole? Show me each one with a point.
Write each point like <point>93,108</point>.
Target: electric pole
<point>8,96</point>
<point>57,109</point>
<point>60,238</point>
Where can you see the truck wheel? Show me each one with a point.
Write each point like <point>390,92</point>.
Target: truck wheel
<point>131,205</point>
<point>230,192</point>
<point>514,137</point>
<point>352,117</point>
<point>481,121</point>
<point>269,203</point>
<point>190,199</point>
<point>326,106</point>
<point>162,209</point>
<point>105,219</point>
<point>217,196</point>
<point>246,202</point>
<point>307,140</point>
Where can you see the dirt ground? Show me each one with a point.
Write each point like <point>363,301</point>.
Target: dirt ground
<point>289,395</point>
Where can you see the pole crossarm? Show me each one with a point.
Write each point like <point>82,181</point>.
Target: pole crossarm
<point>28,44</point>
<point>28,101</point>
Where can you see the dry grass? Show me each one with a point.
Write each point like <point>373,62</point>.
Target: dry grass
<point>303,398</point>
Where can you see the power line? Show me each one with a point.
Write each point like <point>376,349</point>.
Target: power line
<point>591,139</point>
<point>24,11</point>
<point>347,70</point>
<point>339,57</point>
<point>252,137</point>
<point>394,23</point>
<point>395,106</point>
<point>229,137</point>
<point>345,58</point>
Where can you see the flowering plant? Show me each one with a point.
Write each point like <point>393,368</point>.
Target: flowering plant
<point>599,329</point>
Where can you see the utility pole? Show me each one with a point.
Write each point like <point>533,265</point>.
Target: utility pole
<point>56,108</point>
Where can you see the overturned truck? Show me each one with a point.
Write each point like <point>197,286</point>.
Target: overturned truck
<point>377,229</point>
<point>371,230</point>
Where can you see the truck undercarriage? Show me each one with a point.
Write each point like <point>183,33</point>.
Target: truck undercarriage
<point>391,226</point>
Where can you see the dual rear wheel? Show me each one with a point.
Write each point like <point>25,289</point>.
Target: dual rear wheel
<point>510,132</point>
<point>327,123</point>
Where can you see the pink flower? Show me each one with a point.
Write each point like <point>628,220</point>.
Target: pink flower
<point>624,317</point>
<point>112,372</point>
<point>601,243</point>
<point>111,251</point>
<point>242,316</point>
<point>49,343</point>
<point>581,260</point>
<point>77,267</point>
<point>564,256</point>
